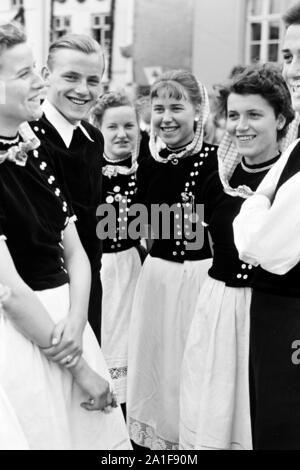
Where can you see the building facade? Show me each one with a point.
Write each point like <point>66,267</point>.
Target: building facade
<point>142,38</point>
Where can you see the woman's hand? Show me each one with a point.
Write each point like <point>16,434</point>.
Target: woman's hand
<point>100,397</point>
<point>66,346</point>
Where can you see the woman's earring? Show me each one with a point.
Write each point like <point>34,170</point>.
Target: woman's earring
<point>196,118</point>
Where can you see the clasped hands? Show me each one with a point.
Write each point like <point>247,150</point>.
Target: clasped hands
<point>66,350</point>
<point>66,342</point>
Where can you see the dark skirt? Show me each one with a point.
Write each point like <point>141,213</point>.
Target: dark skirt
<point>275,371</point>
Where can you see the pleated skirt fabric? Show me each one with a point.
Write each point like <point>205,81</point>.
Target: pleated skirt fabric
<point>214,390</point>
<point>44,397</point>
<point>119,275</point>
<point>163,308</point>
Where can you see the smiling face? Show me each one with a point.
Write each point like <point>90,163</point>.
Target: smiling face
<point>22,88</point>
<point>291,66</point>
<point>74,82</point>
<point>253,126</point>
<point>173,120</point>
<point>120,131</point>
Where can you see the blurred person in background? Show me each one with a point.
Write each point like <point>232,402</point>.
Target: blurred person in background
<point>115,115</point>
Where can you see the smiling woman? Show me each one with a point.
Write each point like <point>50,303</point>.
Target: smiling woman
<point>43,323</point>
<point>22,85</point>
<point>215,405</point>
<point>172,274</point>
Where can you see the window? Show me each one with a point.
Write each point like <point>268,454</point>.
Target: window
<point>61,26</point>
<point>264,30</point>
<point>101,29</point>
<point>17,3</point>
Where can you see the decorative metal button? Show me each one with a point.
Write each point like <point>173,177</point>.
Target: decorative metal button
<point>43,131</point>
<point>239,276</point>
<point>36,129</point>
<point>117,189</point>
<point>57,192</point>
<point>35,154</point>
<point>43,165</point>
<point>245,276</point>
<point>244,266</point>
<point>109,199</point>
<point>174,253</point>
<point>175,161</point>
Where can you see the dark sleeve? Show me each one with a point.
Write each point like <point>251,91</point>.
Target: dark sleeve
<point>57,170</point>
<point>143,177</point>
<point>213,194</point>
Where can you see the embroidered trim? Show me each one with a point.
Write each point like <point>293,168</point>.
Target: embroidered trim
<point>144,435</point>
<point>17,153</point>
<point>118,372</point>
<point>10,141</point>
<point>248,169</point>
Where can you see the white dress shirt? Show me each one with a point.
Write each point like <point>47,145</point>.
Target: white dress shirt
<point>63,127</point>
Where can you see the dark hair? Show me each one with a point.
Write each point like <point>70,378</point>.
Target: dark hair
<point>109,100</point>
<point>236,70</point>
<point>75,42</point>
<point>177,84</point>
<point>292,16</point>
<point>11,34</point>
<point>264,80</point>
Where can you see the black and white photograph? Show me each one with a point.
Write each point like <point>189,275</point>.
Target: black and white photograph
<point>149,227</point>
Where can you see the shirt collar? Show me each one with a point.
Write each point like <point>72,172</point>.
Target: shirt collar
<point>63,127</point>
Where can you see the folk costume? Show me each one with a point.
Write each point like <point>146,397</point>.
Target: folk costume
<point>168,285</point>
<point>44,397</point>
<point>267,234</point>
<point>121,265</point>
<point>79,148</point>
<point>214,395</point>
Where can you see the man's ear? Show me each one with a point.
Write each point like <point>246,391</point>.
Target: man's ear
<point>46,74</point>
